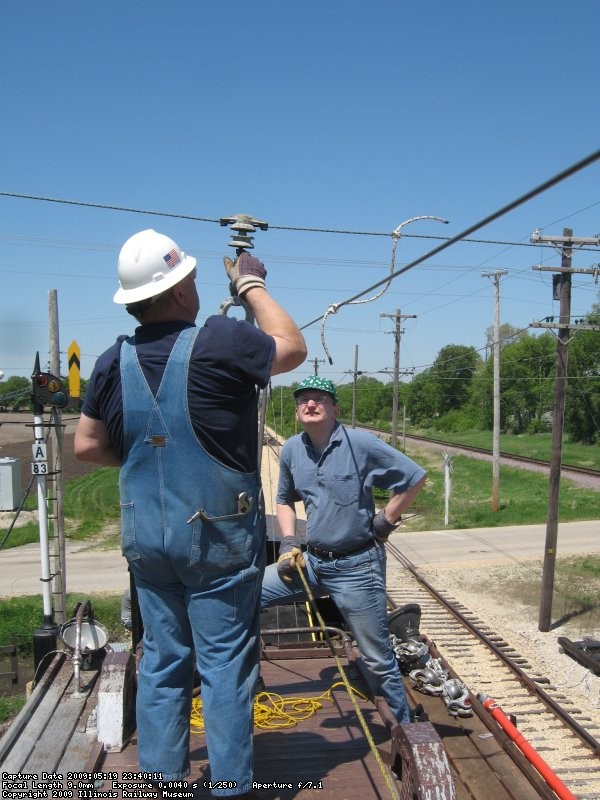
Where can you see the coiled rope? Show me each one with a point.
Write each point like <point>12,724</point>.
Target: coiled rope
<point>274,712</point>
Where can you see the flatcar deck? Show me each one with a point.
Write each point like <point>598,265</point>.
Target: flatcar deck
<point>325,756</point>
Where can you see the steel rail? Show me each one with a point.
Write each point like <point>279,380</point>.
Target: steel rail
<point>523,678</point>
<point>540,462</point>
<point>504,454</point>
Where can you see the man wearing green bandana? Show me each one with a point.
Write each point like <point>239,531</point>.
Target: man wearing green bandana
<point>333,470</point>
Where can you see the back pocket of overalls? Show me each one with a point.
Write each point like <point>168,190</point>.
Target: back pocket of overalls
<point>221,545</point>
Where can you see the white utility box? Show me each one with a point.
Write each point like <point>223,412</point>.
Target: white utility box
<point>10,483</point>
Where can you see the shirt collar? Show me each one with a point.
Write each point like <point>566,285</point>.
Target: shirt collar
<point>334,438</point>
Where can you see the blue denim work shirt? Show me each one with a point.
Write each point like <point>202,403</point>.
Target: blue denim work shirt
<point>336,486</point>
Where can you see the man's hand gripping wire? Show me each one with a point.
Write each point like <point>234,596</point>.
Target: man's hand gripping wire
<point>290,558</point>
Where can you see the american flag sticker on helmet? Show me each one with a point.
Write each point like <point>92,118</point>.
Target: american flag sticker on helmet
<point>172,258</point>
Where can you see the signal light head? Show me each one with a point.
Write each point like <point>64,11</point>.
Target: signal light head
<point>48,390</point>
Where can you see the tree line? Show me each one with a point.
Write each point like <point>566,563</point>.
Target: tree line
<point>456,392</point>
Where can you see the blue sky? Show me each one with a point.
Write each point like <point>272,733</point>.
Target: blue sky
<point>351,116</point>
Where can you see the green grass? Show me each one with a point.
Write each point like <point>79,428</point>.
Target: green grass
<point>90,503</point>
<point>10,706</point>
<point>529,445</point>
<point>523,495</point>
<point>22,616</point>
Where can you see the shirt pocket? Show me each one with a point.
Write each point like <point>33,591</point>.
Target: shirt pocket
<point>344,489</point>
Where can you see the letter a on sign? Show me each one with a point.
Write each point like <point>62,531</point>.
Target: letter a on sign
<point>39,451</point>
<point>74,370</point>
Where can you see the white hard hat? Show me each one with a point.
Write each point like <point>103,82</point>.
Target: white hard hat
<point>149,264</point>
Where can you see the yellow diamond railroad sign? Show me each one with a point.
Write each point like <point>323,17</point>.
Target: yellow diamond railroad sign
<point>74,370</point>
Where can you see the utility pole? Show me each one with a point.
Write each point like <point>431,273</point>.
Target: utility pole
<point>316,362</point>
<point>566,242</point>
<point>398,317</point>
<point>58,549</point>
<point>355,375</point>
<point>496,428</point>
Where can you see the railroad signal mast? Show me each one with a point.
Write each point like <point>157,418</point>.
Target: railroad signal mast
<point>48,390</point>
<point>562,292</point>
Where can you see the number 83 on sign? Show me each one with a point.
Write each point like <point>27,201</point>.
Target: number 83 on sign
<point>39,465</point>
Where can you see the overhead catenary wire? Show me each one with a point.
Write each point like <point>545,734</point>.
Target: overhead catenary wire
<point>548,184</point>
<point>462,236</point>
<point>197,218</point>
<point>334,307</point>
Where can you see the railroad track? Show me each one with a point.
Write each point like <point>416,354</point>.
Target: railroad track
<point>594,473</point>
<point>565,735</point>
<point>485,453</point>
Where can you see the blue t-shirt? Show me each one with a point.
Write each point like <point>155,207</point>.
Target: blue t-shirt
<point>230,359</point>
<point>336,486</point>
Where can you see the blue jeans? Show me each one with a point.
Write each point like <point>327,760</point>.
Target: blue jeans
<point>356,583</point>
<point>221,625</point>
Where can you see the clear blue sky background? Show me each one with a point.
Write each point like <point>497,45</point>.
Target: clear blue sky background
<point>345,115</point>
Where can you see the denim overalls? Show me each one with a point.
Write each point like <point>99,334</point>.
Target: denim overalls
<point>198,580</point>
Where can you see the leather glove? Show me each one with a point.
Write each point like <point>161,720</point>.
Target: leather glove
<point>290,557</point>
<point>382,527</point>
<point>245,273</point>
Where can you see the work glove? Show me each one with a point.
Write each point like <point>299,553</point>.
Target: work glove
<point>290,557</point>
<point>382,527</point>
<point>245,273</point>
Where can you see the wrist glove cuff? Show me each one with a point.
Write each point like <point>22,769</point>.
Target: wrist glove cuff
<point>290,558</point>
<point>382,527</point>
<point>288,543</point>
<point>245,282</point>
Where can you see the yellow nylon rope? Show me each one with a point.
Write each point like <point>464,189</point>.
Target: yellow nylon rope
<point>272,711</point>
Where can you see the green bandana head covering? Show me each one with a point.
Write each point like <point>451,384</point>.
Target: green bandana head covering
<point>317,384</point>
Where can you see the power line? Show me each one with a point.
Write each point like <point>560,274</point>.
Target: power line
<point>548,184</point>
<point>196,218</point>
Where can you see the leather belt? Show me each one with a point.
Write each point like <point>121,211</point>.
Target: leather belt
<point>332,554</point>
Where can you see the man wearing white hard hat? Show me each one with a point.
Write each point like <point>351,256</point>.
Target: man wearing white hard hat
<point>175,406</point>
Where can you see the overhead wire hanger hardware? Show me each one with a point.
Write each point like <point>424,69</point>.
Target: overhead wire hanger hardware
<point>242,225</point>
<point>335,307</point>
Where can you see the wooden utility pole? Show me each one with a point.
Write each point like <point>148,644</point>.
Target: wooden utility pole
<point>316,362</point>
<point>398,317</point>
<point>565,271</point>
<point>355,375</point>
<point>496,429</point>
<point>57,544</point>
